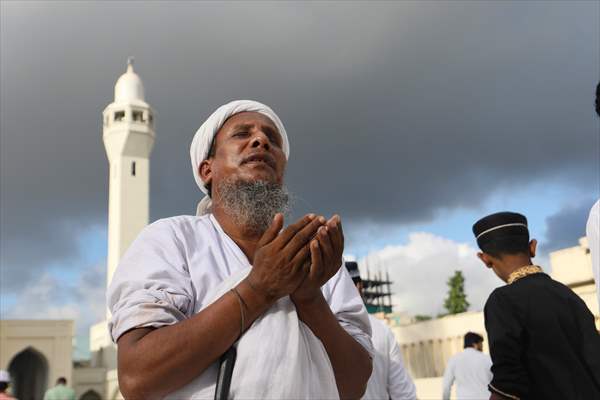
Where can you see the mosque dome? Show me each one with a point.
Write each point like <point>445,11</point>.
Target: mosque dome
<point>129,86</point>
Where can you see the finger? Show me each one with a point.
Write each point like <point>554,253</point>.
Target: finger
<point>300,259</point>
<point>325,245</point>
<point>272,231</point>
<point>316,264</point>
<point>302,237</point>
<point>341,231</point>
<point>334,226</point>
<point>288,233</point>
<point>336,236</point>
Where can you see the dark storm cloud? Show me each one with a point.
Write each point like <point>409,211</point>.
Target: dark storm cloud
<point>394,110</point>
<point>564,228</point>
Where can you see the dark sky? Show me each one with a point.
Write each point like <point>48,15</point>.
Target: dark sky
<point>395,111</point>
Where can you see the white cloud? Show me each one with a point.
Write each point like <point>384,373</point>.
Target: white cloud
<point>50,297</point>
<point>420,269</point>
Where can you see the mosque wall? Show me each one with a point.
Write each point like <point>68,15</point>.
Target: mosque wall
<point>36,352</point>
<point>427,346</point>
<point>572,265</point>
<point>87,380</point>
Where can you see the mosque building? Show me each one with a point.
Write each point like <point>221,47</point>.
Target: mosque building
<point>37,352</point>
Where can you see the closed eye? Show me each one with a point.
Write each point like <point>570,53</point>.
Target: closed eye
<point>273,136</point>
<point>275,139</point>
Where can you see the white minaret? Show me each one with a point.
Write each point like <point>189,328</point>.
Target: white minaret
<point>128,136</point>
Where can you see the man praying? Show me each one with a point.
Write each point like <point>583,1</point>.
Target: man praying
<point>191,287</point>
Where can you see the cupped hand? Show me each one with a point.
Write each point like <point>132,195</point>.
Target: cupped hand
<point>326,251</point>
<point>279,259</point>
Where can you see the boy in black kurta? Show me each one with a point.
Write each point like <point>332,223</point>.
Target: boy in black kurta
<point>542,337</point>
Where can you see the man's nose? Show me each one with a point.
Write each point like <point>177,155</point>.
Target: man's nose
<point>260,140</point>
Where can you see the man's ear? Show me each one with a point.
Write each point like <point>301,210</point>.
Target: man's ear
<point>205,171</point>
<point>532,247</point>
<point>485,259</point>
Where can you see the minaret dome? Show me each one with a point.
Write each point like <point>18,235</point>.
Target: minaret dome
<point>129,86</point>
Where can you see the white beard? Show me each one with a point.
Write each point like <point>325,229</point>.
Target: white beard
<point>253,204</point>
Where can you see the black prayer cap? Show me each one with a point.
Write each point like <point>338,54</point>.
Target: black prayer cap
<point>502,226</point>
<point>352,268</point>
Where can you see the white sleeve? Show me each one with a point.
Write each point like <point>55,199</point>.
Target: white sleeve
<point>151,286</point>
<point>593,237</point>
<point>448,379</point>
<point>400,384</point>
<point>347,305</point>
<point>489,367</point>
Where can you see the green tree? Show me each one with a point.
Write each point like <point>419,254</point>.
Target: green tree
<point>421,317</point>
<point>456,302</point>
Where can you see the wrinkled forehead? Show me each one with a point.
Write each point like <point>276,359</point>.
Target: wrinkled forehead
<point>249,119</point>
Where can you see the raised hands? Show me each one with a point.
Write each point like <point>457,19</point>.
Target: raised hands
<point>326,250</point>
<point>298,260</point>
<point>280,259</point>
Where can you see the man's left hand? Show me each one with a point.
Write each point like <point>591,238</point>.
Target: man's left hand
<point>325,260</point>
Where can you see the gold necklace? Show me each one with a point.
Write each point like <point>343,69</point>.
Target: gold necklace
<point>523,272</point>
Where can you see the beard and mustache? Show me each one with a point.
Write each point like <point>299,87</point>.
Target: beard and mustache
<point>253,205</point>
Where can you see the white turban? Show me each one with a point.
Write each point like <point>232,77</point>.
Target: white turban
<point>205,134</point>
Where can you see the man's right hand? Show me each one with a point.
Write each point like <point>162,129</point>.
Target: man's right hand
<point>280,259</point>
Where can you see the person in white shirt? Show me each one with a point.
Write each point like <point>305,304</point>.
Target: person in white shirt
<point>389,379</point>
<point>470,369</point>
<point>592,229</point>
<point>192,287</point>
<point>4,384</point>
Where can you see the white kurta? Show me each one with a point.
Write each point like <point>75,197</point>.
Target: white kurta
<point>178,266</point>
<point>471,369</point>
<point>389,379</point>
<point>592,231</point>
